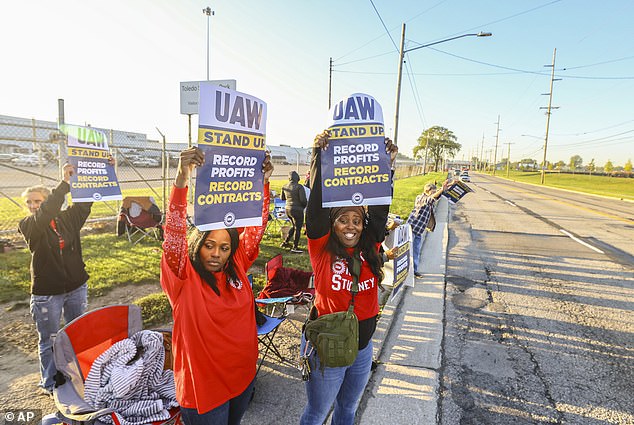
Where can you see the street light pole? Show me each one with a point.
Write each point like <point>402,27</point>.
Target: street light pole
<point>401,55</point>
<point>207,11</point>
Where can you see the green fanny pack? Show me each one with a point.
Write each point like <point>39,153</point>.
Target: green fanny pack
<point>335,336</point>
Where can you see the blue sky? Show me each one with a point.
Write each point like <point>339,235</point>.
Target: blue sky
<point>118,64</point>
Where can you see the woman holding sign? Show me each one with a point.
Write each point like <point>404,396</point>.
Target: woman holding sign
<point>342,241</point>
<point>205,278</point>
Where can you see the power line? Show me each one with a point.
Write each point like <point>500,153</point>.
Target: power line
<point>526,71</point>
<point>488,24</point>
<point>596,64</point>
<point>384,26</point>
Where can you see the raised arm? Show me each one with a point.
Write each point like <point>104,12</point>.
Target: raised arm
<point>175,235</point>
<point>317,217</point>
<point>252,235</point>
<point>35,224</point>
<point>377,214</point>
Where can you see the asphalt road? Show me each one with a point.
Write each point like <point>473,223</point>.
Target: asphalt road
<point>539,312</point>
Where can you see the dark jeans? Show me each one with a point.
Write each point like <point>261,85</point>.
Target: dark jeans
<point>296,216</point>
<point>229,413</point>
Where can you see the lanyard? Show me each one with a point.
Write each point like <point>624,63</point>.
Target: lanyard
<point>61,239</point>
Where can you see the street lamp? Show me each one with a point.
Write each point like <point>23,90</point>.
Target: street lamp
<point>207,11</point>
<point>400,67</point>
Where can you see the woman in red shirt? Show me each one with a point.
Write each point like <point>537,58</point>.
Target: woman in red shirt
<point>334,236</point>
<point>205,278</point>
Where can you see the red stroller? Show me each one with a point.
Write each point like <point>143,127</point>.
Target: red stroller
<point>78,345</point>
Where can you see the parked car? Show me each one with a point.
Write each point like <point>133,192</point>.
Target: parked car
<point>146,162</point>
<point>29,160</point>
<point>6,157</point>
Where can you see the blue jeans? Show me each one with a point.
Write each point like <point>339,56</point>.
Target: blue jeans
<point>229,413</point>
<point>46,311</point>
<point>417,245</point>
<point>342,386</point>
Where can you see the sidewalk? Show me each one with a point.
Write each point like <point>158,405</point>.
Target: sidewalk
<point>403,389</point>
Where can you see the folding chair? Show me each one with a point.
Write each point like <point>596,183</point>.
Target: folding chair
<point>278,217</point>
<point>139,218</point>
<point>78,345</point>
<point>285,286</point>
<point>266,334</point>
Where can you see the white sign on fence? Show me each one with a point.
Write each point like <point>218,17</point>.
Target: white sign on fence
<point>189,94</point>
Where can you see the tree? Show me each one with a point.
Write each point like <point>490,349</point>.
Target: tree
<point>608,167</point>
<point>528,164</point>
<point>591,166</point>
<point>575,162</point>
<point>560,164</point>
<point>440,143</point>
<point>628,166</point>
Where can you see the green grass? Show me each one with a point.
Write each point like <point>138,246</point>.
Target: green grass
<point>111,261</point>
<point>617,187</point>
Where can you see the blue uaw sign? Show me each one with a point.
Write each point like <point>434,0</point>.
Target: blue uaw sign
<point>402,255</point>
<point>456,191</point>
<point>94,178</point>
<point>355,168</point>
<point>231,134</point>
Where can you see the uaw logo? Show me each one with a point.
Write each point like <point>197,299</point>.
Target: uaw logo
<point>96,196</point>
<point>229,219</point>
<point>357,198</point>
<point>339,267</point>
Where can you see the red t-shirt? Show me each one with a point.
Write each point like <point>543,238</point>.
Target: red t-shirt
<point>333,282</point>
<point>214,338</point>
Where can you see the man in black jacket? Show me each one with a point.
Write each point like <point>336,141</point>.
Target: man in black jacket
<point>295,196</point>
<point>58,272</point>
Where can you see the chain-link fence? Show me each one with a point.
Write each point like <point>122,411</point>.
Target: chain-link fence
<point>33,152</point>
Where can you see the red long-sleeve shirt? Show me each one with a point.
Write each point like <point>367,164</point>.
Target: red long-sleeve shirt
<point>214,338</point>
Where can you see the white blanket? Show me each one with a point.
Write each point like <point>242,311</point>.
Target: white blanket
<point>129,378</point>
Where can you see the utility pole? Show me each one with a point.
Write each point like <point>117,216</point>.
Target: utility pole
<point>401,53</point>
<point>482,154</point>
<point>497,136</point>
<point>62,140</point>
<point>164,168</point>
<point>330,86</point>
<point>508,159</point>
<point>550,107</point>
<point>491,159</point>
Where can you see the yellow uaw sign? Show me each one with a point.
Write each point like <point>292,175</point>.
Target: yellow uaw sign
<point>89,153</point>
<point>352,131</point>
<point>94,178</point>
<point>230,139</point>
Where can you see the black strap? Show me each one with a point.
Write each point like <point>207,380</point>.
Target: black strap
<point>354,267</point>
